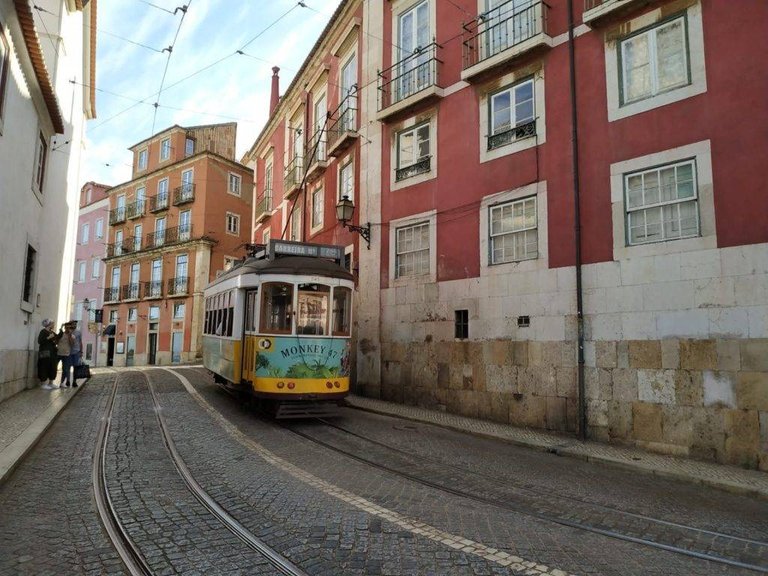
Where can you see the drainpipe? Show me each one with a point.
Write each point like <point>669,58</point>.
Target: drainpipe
<point>582,401</point>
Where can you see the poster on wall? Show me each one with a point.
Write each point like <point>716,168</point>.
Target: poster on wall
<point>120,348</point>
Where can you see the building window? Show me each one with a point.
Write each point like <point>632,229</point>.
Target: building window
<point>265,237</point>
<point>662,203</point>
<point>295,226</point>
<point>412,250</point>
<point>414,33</point>
<point>143,159</point>
<point>81,266</point>
<point>654,61</point>
<point>154,312</point>
<point>133,314</point>
<point>95,268</point>
<point>4,60</point>
<point>165,149</point>
<point>178,310</point>
<point>113,316</point>
<point>413,152</point>
<point>234,184</point>
<point>511,114</point>
<point>84,233</point>
<point>317,208</point>
<point>30,268</point>
<point>233,223</point>
<point>42,153</point>
<point>137,230</point>
<point>347,179</point>
<point>100,228</point>
<point>189,147</point>
<point>461,324</point>
<point>268,178</point>
<point>229,262</point>
<point>514,231</point>
<point>159,232</point>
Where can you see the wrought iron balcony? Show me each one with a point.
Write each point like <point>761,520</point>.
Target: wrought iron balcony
<point>112,294</point>
<point>178,286</point>
<point>130,291</point>
<point>117,215</point>
<point>598,12</point>
<point>153,289</point>
<point>135,209</point>
<point>293,175</point>
<point>158,202</point>
<point>264,206</point>
<point>343,127</point>
<point>416,75</point>
<point>318,159</point>
<point>120,248</point>
<point>169,236</point>
<point>502,34</point>
<point>183,194</point>
<point>420,167</point>
<point>512,135</point>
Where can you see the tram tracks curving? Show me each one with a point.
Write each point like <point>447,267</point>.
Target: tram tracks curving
<point>703,544</point>
<point>129,551</point>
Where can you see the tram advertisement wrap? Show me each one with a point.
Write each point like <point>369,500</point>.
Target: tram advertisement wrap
<point>291,357</point>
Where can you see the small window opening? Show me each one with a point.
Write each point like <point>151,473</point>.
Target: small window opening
<point>523,321</point>
<point>462,324</point>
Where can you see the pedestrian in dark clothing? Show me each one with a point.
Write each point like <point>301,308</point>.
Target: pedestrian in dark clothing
<point>65,352</point>
<point>47,358</point>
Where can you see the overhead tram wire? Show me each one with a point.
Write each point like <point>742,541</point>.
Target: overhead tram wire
<point>158,7</point>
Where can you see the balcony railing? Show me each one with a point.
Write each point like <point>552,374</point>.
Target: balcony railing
<point>502,28</point>
<point>130,291</point>
<point>318,159</point>
<point>598,12</point>
<point>420,167</point>
<point>112,294</point>
<point>135,209</point>
<point>183,194</point>
<point>343,127</point>
<point>264,206</point>
<point>169,236</point>
<point>117,215</point>
<point>409,76</point>
<point>513,134</point>
<point>293,174</point>
<point>158,202</point>
<point>178,286</point>
<point>153,289</point>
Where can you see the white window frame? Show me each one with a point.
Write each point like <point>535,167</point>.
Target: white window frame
<point>138,230</point>
<point>85,232</point>
<point>351,99</point>
<point>187,142</point>
<point>231,217</point>
<point>265,236</point>
<point>141,162</point>
<point>179,306</point>
<point>537,189</point>
<point>707,239</point>
<point>99,228</point>
<point>430,218</point>
<point>113,317</point>
<point>82,266</point>
<point>237,189</point>
<point>153,313</point>
<point>403,127</point>
<point>294,228</point>
<point>413,132</point>
<point>695,59</point>
<point>95,268</point>
<point>41,162</point>
<point>509,81</point>
<point>165,149</point>
<point>513,204</point>
<point>133,314</point>
<point>347,162</point>
<point>317,225</point>
<point>513,102</point>
<point>163,189</point>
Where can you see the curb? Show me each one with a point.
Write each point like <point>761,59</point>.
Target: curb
<point>13,454</point>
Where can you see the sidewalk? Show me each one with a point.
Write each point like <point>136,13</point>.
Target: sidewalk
<point>730,478</point>
<point>24,418</point>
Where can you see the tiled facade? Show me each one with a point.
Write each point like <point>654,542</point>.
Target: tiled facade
<point>467,299</point>
<point>183,218</point>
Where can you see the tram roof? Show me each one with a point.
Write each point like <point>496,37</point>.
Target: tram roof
<point>291,265</point>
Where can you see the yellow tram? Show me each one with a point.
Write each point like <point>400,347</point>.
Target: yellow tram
<point>278,326</point>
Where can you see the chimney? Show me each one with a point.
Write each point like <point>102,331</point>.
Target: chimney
<point>275,98</point>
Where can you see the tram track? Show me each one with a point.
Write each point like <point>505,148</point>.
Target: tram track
<point>636,528</point>
<point>129,551</point>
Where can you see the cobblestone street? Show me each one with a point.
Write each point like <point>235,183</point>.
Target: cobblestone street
<point>358,494</point>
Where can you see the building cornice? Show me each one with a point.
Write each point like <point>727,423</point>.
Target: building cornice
<point>167,249</point>
<point>32,42</point>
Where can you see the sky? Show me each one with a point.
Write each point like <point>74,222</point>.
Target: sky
<point>206,81</point>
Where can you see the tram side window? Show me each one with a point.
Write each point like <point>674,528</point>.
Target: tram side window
<point>229,321</point>
<point>251,305</point>
<point>276,308</point>
<point>342,310</point>
<point>312,314</point>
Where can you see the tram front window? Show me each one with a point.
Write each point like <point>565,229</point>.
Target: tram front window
<point>342,308</point>
<point>312,317</point>
<point>276,308</point>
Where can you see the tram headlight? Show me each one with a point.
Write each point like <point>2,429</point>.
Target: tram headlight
<point>281,385</point>
<point>336,383</point>
<point>329,384</point>
<point>291,385</point>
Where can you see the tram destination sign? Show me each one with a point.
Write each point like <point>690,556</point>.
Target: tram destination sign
<point>288,248</point>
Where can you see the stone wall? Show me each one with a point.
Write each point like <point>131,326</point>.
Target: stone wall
<point>18,371</point>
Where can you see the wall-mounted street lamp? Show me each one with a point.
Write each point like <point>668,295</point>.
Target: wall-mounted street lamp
<point>344,210</point>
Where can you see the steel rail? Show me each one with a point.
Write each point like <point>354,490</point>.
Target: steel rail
<point>539,515</point>
<point>134,562</point>
<point>280,562</point>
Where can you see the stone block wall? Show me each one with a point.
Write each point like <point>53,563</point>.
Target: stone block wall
<point>18,371</point>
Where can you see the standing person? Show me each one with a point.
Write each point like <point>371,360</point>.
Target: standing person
<point>65,351</point>
<point>47,359</point>
<point>76,351</point>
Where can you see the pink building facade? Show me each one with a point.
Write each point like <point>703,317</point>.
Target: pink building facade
<point>88,278</point>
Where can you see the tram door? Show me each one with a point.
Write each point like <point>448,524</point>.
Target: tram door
<point>249,327</point>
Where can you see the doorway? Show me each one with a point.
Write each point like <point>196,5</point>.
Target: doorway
<point>177,339</point>
<point>130,349</point>
<point>152,349</point>
<point>110,351</point>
